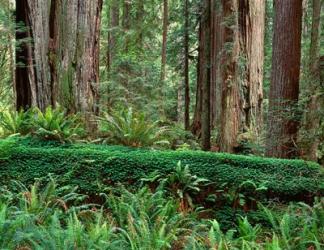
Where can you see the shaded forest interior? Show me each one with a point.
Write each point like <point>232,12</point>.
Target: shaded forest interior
<point>236,76</point>
<point>162,124</point>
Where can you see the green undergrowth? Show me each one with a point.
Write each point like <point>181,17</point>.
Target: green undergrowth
<point>88,166</point>
<point>56,217</point>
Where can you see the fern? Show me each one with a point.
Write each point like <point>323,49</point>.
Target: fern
<point>128,128</point>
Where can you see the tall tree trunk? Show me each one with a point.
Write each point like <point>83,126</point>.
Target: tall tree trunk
<point>164,39</point>
<point>25,77</point>
<point>231,105</point>
<point>112,34</point>
<point>312,117</point>
<point>213,63</point>
<point>243,58</point>
<point>284,89</point>
<point>53,48</point>
<point>60,51</point>
<point>215,40</point>
<point>217,30</point>
<point>251,32</point>
<point>206,84</point>
<point>186,68</point>
<point>196,123</point>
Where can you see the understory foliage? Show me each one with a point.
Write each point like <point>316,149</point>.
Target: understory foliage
<point>53,217</point>
<point>15,122</point>
<point>52,124</point>
<point>129,128</point>
<point>85,165</point>
<point>121,127</point>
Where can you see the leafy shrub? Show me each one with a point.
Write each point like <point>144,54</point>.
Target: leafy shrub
<point>50,218</point>
<point>85,165</point>
<point>244,196</point>
<point>300,226</point>
<point>152,219</point>
<point>15,122</point>
<point>184,185</point>
<point>129,128</point>
<point>139,220</point>
<point>24,215</point>
<point>180,139</point>
<point>55,124</point>
<point>52,124</point>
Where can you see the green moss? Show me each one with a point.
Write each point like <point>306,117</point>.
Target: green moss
<point>86,165</point>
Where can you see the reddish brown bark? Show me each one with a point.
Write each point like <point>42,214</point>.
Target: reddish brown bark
<point>242,72</point>
<point>251,35</point>
<point>206,67</point>
<point>237,33</point>
<point>284,89</point>
<point>62,65</point>
<point>216,65</point>
<point>206,83</point>
<point>231,105</point>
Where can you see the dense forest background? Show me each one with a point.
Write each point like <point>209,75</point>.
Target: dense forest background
<point>240,76</point>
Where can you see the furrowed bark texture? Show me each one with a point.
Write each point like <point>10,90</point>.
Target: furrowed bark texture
<point>209,57</point>
<point>242,89</point>
<point>251,25</point>
<point>236,39</point>
<point>313,113</point>
<point>284,89</point>
<point>231,99</point>
<point>217,44</point>
<point>206,84</point>
<point>61,55</point>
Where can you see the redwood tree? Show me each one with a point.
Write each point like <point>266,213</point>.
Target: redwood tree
<point>57,61</point>
<point>284,90</point>
<point>231,40</point>
<point>312,118</point>
<point>242,72</point>
<point>206,83</point>
<point>231,105</point>
<point>24,52</point>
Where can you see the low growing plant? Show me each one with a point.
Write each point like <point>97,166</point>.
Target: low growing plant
<point>15,122</point>
<point>129,128</point>
<point>56,124</point>
<point>52,124</point>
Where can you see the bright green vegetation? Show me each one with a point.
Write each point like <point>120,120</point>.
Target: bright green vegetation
<point>124,127</point>
<point>181,199</point>
<point>86,165</point>
<point>52,124</point>
<point>129,128</point>
<point>58,218</point>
